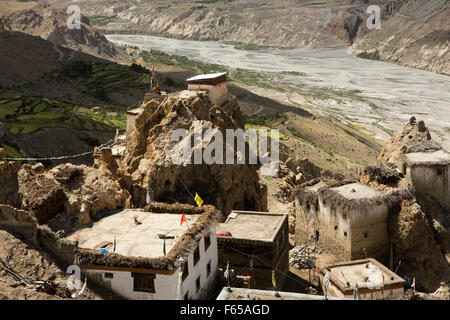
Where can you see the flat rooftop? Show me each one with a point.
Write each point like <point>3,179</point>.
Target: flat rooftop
<point>357,191</point>
<point>252,225</point>
<point>135,240</point>
<point>206,77</point>
<point>254,294</point>
<point>368,273</point>
<point>436,157</point>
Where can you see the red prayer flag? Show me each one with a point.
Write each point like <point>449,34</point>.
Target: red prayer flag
<point>183,219</point>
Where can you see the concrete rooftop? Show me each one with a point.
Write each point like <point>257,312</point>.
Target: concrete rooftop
<point>132,239</point>
<point>253,225</point>
<point>438,157</point>
<point>357,191</point>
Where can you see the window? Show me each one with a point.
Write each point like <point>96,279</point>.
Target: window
<point>143,282</point>
<point>197,284</point>
<point>108,275</point>
<point>186,270</point>
<point>335,228</point>
<point>207,241</point>
<point>186,295</point>
<point>345,234</point>
<point>439,171</point>
<point>366,234</point>
<point>208,269</point>
<point>196,255</point>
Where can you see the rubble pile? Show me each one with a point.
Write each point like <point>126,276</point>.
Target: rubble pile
<point>303,256</point>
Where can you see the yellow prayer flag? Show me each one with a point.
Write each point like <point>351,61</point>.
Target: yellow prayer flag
<point>274,283</point>
<point>198,200</point>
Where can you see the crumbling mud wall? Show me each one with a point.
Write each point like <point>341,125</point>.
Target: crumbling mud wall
<point>68,195</point>
<point>89,191</point>
<point>415,245</point>
<point>149,164</point>
<point>9,183</point>
<point>18,222</point>
<point>41,195</point>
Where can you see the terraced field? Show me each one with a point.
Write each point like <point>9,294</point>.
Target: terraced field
<point>28,114</point>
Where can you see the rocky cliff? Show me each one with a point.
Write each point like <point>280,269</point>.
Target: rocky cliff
<point>284,23</point>
<point>413,133</point>
<point>149,164</point>
<point>50,24</point>
<point>413,33</point>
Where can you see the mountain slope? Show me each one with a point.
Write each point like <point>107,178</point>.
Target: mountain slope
<point>413,33</point>
<point>283,23</point>
<point>50,24</point>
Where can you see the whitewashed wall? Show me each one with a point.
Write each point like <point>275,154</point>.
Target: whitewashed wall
<point>166,285</point>
<point>217,93</point>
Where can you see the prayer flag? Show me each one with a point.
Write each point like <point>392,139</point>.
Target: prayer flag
<point>183,219</point>
<point>356,295</point>
<point>326,279</point>
<point>198,200</point>
<point>274,282</point>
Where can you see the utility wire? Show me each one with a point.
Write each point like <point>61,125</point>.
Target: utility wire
<point>270,265</point>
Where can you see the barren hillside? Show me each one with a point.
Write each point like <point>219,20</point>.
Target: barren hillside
<point>286,23</point>
<point>413,33</point>
<point>51,24</point>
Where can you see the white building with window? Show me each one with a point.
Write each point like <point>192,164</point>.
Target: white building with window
<point>145,263</point>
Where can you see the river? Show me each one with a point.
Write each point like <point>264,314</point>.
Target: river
<point>399,91</point>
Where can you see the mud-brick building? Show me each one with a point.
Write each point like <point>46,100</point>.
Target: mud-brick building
<point>136,253</point>
<point>429,172</point>
<point>374,281</point>
<point>255,244</point>
<point>349,220</point>
<point>215,84</point>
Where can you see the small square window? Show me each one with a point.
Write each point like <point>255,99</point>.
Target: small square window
<point>197,284</point>
<point>335,228</point>
<point>196,255</point>
<point>108,275</point>
<point>143,282</point>
<point>345,234</point>
<point>366,234</point>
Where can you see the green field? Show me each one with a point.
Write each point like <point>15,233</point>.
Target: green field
<point>32,113</point>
